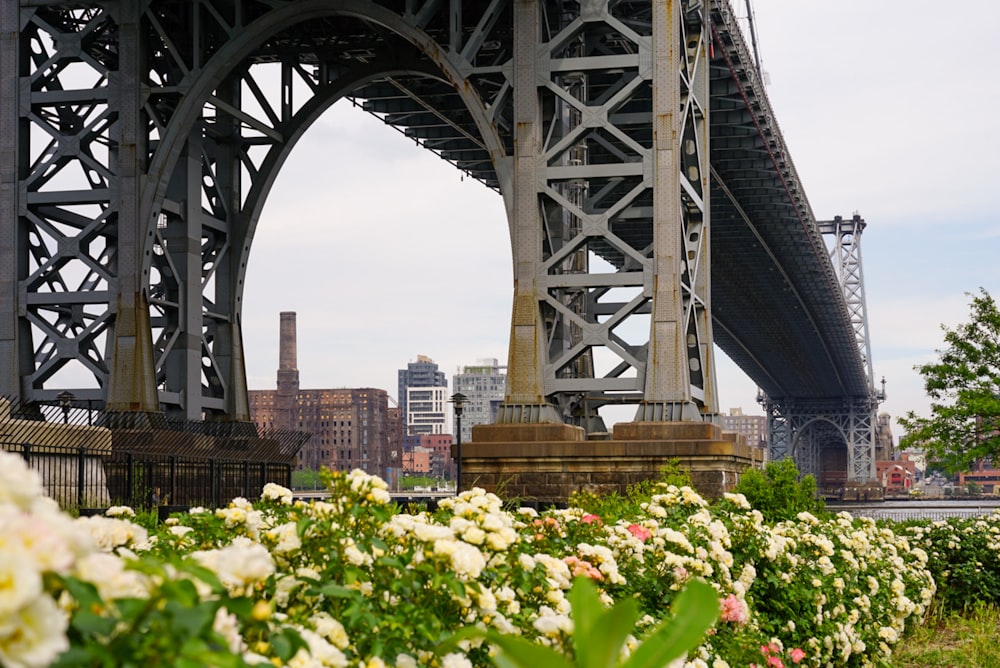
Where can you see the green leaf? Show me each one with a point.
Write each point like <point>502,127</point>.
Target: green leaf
<point>84,592</point>
<point>338,591</point>
<point>391,562</point>
<point>241,607</point>
<point>74,657</point>
<point>191,619</point>
<point>516,652</point>
<point>694,612</point>
<point>286,643</point>
<point>282,646</point>
<point>132,608</point>
<point>598,633</point>
<point>87,622</point>
<point>457,588</point>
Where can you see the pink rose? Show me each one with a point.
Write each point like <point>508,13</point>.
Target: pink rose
<point>733,610</point>
<point>640,532</point>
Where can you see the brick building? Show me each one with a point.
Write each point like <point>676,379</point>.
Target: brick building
<point>350,428</point>
<point>753,427</point>
<point>438,449</point>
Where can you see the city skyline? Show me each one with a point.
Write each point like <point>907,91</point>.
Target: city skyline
<point>377,243</point>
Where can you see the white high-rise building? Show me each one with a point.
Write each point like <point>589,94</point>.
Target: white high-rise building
<point>426,410</point>
<point>423,398</point>
<point>484,385</point>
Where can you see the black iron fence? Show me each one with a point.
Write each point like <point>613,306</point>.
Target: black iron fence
<point>91,459</point>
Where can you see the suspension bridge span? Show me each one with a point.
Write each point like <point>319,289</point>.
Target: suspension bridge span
<point>652,202</point>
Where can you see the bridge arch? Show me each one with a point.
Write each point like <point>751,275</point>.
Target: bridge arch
<point>205,196</point>
<point>821,447</point>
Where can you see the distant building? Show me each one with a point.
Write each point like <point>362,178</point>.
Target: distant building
<point>984,473</point>
<point>394,435</point>
<point>483,385</point>
<point>417,462</point>
<point>350,428</point>
<point>919,459</point>
<point>896,476</point>
<point>423,397</point>
<point>752,427</point>
<point>438,450</point>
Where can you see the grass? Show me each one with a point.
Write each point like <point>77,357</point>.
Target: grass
<point>953,640</point>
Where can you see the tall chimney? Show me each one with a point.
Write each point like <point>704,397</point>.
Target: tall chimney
<point>288,373</point>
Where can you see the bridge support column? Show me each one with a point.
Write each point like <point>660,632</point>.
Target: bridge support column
<point>525,400</point>
<point>590,186</point>
<point>132,376</point>
<point>12,232</point>
<point>594,187</point>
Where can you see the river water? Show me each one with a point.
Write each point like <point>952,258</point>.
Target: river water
<point>932,509</point>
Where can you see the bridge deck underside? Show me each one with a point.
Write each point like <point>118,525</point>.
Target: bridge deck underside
<point>777,304</point>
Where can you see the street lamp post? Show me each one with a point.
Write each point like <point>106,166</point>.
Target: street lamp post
<point>458,401</point>
<point>65,403</point>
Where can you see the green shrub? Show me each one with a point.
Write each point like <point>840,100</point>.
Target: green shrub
<point>778,493</point>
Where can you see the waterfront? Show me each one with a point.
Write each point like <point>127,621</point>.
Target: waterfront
<point>909,509</point>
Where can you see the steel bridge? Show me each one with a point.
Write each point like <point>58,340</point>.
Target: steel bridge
<point>652,202</point>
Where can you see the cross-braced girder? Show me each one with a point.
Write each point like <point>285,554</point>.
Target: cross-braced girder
<point>616,141</point>
<point>805,429</point>
<point>845,253</point>
<point>62,177</point>
<point>218,93</point>
<point>221,91</point>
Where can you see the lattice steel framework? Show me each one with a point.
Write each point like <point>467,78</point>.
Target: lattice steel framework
<point>140,139</point>
<point>602,149</point>
<point>845,254</point>
<point>800,429</point>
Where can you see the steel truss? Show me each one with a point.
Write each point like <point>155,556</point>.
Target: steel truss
<point>611,214</point>
<point>801,429</point>
<point>140,139</point>
<point>845,254</point>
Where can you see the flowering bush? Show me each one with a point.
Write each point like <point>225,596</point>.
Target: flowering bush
<point>962,557</point>
<point>353,581</point>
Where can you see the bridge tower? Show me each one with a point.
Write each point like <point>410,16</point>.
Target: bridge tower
<point>139,141</point>
<point>815,432</point>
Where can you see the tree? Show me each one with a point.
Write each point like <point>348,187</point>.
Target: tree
<point>964,387</point>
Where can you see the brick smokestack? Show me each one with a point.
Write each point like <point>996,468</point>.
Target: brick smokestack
<point>288,373</point>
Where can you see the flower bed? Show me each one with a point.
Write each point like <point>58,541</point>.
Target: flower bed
<point>353,581</point>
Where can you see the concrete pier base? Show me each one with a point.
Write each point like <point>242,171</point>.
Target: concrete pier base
<point>545,463</point>
<point>862,491</point>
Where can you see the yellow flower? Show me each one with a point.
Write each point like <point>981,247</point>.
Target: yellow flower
<point>261,611</point>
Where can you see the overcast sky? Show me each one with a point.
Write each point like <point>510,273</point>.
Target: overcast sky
<point>888,108</point>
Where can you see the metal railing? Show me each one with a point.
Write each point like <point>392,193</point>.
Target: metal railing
<point>90,459</point>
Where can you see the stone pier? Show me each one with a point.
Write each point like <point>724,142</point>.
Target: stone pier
<point>545,463</point>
